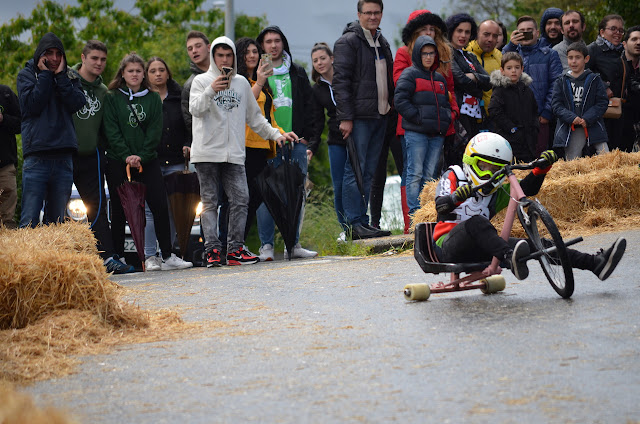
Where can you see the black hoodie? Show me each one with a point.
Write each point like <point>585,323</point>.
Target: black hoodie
<point>302,120</point>
<point>48,102</point>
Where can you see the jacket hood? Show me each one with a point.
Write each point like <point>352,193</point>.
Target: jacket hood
<point>212,65</point>
<point>582,76</point>
<point>416,56</point>
<point>76,69</point>
<point>417,20</point>
<point>48,41</point>
<point>499,80</point>
<point>550,13</point>
<point>274,28</point>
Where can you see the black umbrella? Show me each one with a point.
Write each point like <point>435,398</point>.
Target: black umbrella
<point>183,190</point>
<point>132,196</point>
<point>352,154</point>
<point>282,190</point>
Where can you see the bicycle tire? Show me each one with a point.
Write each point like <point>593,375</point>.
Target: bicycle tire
<point>543,233</point>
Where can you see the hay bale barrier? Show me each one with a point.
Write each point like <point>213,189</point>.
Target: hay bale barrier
<point>19,408</point>
<point>585,196</point>
<point>56,301</point>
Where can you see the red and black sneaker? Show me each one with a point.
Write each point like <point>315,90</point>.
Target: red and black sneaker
<point>213,258</point>
<point>241,257</point>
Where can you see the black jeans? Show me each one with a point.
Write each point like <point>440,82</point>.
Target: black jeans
<point>156,197</point>
<point>88,176</point>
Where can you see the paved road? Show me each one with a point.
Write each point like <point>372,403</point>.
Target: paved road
<point>333,340</point>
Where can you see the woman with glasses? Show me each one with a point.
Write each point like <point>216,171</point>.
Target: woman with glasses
<point>421,22</point>
<point>605,58</point>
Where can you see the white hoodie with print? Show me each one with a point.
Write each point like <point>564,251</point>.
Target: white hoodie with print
<point>219,118</point>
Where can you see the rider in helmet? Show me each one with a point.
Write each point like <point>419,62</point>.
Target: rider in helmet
<point>464,232</point>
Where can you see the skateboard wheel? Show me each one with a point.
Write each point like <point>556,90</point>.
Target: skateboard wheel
<point>494,284</point>
<point>420,291</point>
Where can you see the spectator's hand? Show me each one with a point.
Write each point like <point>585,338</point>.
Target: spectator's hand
<point>186,151</point>
<point>346,127</point>
<point>472,76</point>
<point>517,37</point>
<point>609,93</point>
<point>543,120</point>
<point>62,66</point>
<point>221,83</point>
<point>549,157</point>
<point>42,63</point>
<point>462,193</point>
<point>263,72</point>
<point>286,138</point>
<point>1,117</point>
<point>309,155</point>
<point>133,161</point>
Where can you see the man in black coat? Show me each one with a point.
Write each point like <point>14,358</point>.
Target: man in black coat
<point>9,127</point>
<point>363,87</point>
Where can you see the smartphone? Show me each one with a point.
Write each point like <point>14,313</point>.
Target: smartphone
<point>528,35</point>
<point>226,71</point>
<point>266,58</point>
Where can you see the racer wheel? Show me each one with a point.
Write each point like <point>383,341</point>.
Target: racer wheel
<point>420,291</point>
<point>544,235</point>
<point>493,284</point>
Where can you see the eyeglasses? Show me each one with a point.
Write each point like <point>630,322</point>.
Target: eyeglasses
<point>616,29</point>
<point>376,14</point>
<point>428,54</point>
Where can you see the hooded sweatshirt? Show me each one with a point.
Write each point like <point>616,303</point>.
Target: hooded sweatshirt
<point>421,95</point>
<point>47,102</point>
<point>219,118</point>
<point>88,120</point>
<point>550,13</point>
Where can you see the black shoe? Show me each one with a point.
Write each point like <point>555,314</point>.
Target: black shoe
<point>381,233</point>
<point>359,232</point>
<point>607,260</point>
<point>519,269</point>
<point>212,259</point>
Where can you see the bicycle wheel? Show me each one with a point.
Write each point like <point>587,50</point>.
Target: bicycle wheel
<point>544,234</point>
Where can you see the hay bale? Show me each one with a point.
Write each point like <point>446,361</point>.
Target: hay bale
<point>19,408</point>
<point>584,196</point>
<point>56,268</point>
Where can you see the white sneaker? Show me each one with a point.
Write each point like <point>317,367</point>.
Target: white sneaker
<point>266,253</point>
<point>249,252</point>
<point>174,262</point>
<point>300,252</point>
<point>152,263</point>
<point>342,238</point>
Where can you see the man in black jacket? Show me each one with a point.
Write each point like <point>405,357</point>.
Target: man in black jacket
<point>49,94</point>
<point>292,100</point>
<point>9,127</point>
<point>363,87</point>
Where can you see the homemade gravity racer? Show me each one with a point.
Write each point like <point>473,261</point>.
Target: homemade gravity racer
<point>550,249</point>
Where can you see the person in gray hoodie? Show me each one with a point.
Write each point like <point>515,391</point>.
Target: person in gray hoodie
<point>49,94</point>
<point>221,103</point>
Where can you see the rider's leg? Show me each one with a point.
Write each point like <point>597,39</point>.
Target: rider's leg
<point>603,262</point>
<point>474,240</point>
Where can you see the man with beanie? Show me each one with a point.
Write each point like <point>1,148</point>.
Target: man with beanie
<point>551,27</point>
<point>292,99</point>
<point>89,163</point>
<point>484,47</point>
<point>9,127</point>
<point>363,88</point>
<point>49,95</point>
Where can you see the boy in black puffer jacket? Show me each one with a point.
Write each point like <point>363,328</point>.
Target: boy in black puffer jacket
<point>513,107</point>
<point>427,109</point>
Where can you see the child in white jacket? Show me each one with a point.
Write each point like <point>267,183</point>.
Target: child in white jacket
<point>221,103</point>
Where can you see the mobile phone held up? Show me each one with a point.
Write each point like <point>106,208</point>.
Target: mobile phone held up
<point>527,35</point>
<point>266,58</point>
<point>226,71</point>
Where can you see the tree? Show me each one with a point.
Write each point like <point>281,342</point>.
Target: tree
<point>500,10</point>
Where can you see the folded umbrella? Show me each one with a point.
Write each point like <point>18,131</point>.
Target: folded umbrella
<point>132,195</point>
<point>183,190</point>
<point>352,154</point>
<point>282,190</point>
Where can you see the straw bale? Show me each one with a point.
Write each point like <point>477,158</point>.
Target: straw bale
<point>584,196</point>
<point>19,408</point>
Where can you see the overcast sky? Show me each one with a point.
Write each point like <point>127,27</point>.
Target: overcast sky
<point>304,22</point>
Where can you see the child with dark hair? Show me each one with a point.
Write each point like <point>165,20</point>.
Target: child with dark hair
<point>513,107</point>
<point>579,101</point>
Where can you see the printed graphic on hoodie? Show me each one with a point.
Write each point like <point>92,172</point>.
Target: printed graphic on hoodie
<point>227,100</point>
<point>139,110</point>
<point>578,92</point>
<point>90,108</point>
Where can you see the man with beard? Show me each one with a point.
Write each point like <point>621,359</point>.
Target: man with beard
<point>551,27</point>
<point>573,26</point>
<point>631,108</point>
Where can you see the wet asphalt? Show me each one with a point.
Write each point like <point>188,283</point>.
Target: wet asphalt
<point>333,340</point>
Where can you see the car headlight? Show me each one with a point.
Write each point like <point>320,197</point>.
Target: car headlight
<point>77,210</point>
<point>198,209</point>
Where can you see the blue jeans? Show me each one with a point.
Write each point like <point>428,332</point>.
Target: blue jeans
<point>368,136</point>
<point>47,181</point>
<point>337,159</point>
<point>150,242</point>
<point>266,225</point>
<point>234,181</point>
<point>423,154</point>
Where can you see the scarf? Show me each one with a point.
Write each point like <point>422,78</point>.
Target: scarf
<point>286,65</point>
<point>132,95</point>
<point>609,44</point>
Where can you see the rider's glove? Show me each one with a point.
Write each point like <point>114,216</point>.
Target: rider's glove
<point>463,192</point>
<point>548,158</point>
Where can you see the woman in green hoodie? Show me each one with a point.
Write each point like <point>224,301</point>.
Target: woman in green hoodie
<point>133,126</point>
